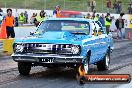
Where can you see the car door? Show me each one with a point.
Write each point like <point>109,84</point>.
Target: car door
<point>102,41</point>
<point>94,43</point>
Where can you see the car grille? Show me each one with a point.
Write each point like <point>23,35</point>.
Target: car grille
<point>48,48</point>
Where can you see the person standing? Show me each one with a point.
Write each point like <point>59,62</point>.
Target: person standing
<point>56,12</point>
<point>108,22</point>
<point>120,25</point>
<point>93,6</point>
<point>32,18</point>
<point>26,17</point>
<point>117,6</point>
<point>108,5</point>
<point>9,21</point>
<point>16,18</point>
<point>88,5</point>
<point>96,18</point>
<point>88,16</point>
<point>39,18</point>
<point>102,21</point>
<point>21,19</point>
<point>130,8</point>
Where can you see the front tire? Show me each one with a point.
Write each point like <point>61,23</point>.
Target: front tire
<point>86,64</point>
<point>24,68</point>
<point>104,64</point>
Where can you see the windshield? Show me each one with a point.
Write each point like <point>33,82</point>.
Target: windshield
<point>77,27</point>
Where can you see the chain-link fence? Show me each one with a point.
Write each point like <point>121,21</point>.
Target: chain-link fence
<point>78,5</point>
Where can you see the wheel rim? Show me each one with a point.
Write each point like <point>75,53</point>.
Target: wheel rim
<point>86,67</point>
<point>107,60</point>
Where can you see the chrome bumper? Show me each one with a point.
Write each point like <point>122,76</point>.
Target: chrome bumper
<point>48,58</point>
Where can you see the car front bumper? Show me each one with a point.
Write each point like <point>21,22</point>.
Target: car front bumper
<point>48,58</point>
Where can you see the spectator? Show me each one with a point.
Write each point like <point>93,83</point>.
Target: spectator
<point>39,18</point>
<point>88,5</point>
<point>88,16</point>
<point>9,20</point>
<point>130,8</point>
<point>96,18</point>
<point>56,12</point>
<point>26,17</point>
<point>107,22</point>
<point>16,19</point>
<point>93,15</point>
<point>32,18</point>
<point>108,5</point>
<point>21,19</point>
<point>102,21</point>
<point>93,6</point>
<point>117,6</point>
<point>120,25</point>
<point>113,26</point>
<point>36,14</point>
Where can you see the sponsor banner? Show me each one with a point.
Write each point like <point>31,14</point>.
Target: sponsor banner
<point>130,25</point>
<point>110,78</point>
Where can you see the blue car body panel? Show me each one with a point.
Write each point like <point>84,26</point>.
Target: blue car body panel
<point>98,45</point>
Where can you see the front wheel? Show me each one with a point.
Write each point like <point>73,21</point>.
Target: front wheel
<point>86,64</point>
<point>24,68</point>
<point>104,64</point>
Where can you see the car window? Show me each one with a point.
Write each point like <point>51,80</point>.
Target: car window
<point>64,25</point>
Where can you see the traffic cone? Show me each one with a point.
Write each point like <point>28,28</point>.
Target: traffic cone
<point>129,35</point>
<point>3,34</point>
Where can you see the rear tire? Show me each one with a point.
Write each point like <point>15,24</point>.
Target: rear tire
<point>24,68</point>
<point>104,64</point>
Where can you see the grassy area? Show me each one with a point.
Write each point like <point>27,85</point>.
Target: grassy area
<point>79,5</point>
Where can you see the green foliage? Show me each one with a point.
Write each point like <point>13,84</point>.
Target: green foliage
<point>78,5</point>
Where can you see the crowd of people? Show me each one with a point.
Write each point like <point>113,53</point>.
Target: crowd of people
<point>110,23</point>
<point>115,6</point>
<point>22,18</point>
<point>105,20</point>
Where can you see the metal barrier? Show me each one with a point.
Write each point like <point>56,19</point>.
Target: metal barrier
<point>1,46</point>
<point>6,46</point>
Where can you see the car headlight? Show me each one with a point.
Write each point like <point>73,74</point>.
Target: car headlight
<point>75,49</point>
<point>19,48</point>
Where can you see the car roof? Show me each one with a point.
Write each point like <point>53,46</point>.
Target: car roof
<point>74,19</point>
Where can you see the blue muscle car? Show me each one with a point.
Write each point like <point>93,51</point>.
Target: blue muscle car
<point>68,42</point>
